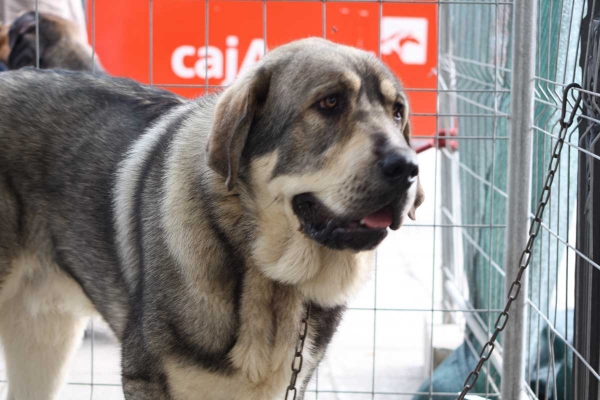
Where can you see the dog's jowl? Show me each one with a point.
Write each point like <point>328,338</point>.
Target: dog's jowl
<point>199,230</point>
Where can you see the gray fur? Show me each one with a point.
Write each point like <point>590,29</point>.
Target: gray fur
<point>122,188</point>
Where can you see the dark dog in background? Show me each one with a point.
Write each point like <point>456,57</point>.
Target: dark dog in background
<point>60,46</point>
<point>200,230</point>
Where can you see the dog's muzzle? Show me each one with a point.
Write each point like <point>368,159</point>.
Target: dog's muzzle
<point>359,234</point>
<point>397,172</point>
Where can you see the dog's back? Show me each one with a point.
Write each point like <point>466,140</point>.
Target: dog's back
<point>62,135</point>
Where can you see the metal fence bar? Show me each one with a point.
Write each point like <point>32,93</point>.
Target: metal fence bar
<point>37,35</point>
<point>449,201</point>
<point>519,189</point>
<point>492,197</point>
<point>93,36</point>
<point>92,328</point>
<point>435,221</point>
<point>374,364</point>
<point>150,42</point>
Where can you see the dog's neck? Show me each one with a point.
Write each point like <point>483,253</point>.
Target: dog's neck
<point>283,253</point>
<point>283,269</point>
<point>258,221</point>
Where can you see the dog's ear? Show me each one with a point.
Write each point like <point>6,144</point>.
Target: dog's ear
<point>420,196</point>
<point>232,119</point>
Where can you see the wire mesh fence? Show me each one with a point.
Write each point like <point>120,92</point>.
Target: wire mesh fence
<point>417,328</point>
<point>551,301</point>
<point>476,65</point>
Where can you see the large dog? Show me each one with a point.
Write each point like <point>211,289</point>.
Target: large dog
<point>200,230</point>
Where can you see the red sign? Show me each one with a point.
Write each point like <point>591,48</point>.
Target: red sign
<point>189,46</point>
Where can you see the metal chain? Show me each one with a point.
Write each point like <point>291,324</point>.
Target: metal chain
<point>298,359</point>
<point>515,288</point>
<point>534,230</point>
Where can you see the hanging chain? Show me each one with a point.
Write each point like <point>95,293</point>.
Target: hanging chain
<point>298,359</point>
<point>534,230</point>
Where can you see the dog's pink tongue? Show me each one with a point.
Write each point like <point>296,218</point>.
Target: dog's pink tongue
<point>379,219</point>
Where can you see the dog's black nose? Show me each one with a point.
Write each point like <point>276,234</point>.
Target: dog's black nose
<point>399,167</point>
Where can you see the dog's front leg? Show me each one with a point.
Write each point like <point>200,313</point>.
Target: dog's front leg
<point>288,306</point>
<point>142,389</point>
<point>143,377</point>
<point>252,351</point>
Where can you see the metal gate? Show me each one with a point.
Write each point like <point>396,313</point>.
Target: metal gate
<point>496,92</point>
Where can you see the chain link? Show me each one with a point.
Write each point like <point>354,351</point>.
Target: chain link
<point>534,230</point>
<point>298,358</point>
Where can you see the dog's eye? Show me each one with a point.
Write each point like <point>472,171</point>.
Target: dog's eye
<point>329,103</point>
<point>398,111</point>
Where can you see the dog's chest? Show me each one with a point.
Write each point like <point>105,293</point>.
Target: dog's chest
<point>188,382</point>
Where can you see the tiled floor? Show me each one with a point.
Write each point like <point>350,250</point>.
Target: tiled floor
<point>384,350</point>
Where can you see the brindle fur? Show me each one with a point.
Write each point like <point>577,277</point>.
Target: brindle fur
<point>172,219</point>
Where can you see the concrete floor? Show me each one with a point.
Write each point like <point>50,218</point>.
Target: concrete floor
<point>382,351</point>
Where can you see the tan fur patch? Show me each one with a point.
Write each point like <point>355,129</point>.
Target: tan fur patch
<point>342,161</point>
<point>286,310</point>
<point>252,350</point>
<point>282,252</point>
<point>42,316</point>
<point>342,273</point>
<point>353,80</point>
<point>43,287</point>
<point>388,89</point>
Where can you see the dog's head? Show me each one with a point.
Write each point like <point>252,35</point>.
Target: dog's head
<point>60,44</point>
<point>327,128</point>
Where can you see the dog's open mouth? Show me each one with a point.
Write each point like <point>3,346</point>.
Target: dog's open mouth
<point>363,233</point>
